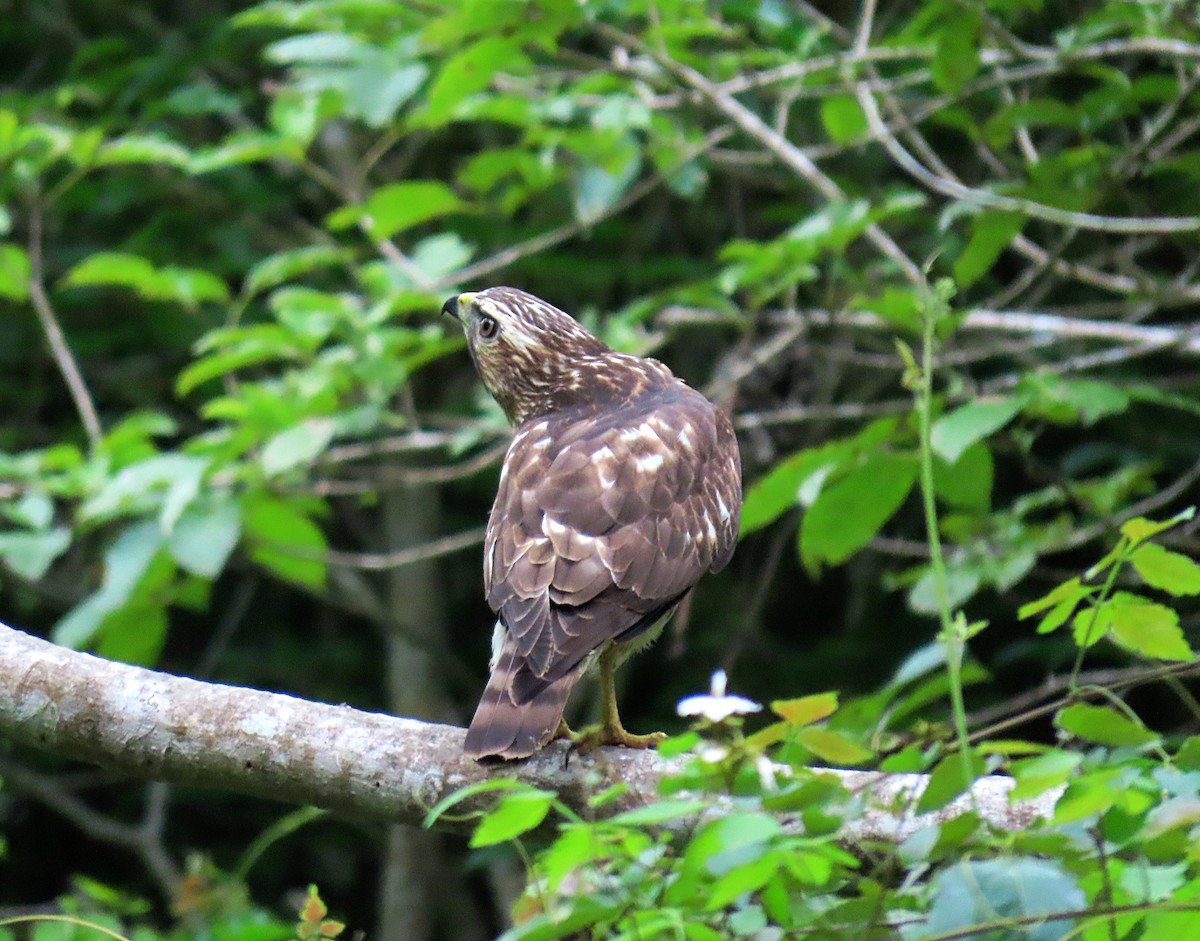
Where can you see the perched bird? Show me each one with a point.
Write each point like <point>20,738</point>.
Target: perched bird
<point>621,487</point>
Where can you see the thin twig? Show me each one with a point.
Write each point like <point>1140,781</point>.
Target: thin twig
<point>143,840</point>
<point>955,190</point>
<point>788,153</point>
<point>383,561</point>
<point>539,243</point>
<point>63,356</point>
<point>1180,339</point>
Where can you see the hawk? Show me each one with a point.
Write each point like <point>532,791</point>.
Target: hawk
<point>620,489</point>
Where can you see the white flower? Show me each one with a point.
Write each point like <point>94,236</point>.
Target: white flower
<point>766,769</point>
<point>717,706</point>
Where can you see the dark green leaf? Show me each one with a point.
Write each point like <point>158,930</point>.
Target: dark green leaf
<point>991,232</point>
<point>956,56</point>
<point>966,483</point>
<point>947,780</point>
<point>849,512</point>
<point>285,540</point>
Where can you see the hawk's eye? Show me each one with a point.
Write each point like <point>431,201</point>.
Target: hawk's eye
<point>488,327</point>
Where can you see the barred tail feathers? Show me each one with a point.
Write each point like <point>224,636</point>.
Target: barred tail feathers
<point>505,729</point>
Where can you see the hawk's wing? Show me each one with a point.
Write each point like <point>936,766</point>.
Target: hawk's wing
<point>604,521</point>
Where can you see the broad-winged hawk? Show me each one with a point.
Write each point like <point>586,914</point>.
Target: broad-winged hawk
<point>620,489</point>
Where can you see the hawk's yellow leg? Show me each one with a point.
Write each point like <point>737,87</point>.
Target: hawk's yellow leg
<point>610,730</point>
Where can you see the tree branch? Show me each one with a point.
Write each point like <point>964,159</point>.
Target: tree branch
<point>152,725</point>
<point>54,335</point>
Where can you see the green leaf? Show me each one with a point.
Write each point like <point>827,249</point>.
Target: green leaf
<point>284,266</point>
<point>956,55</point>
<point>848,513</point>
<point>843,118</point>
<point>189,286</point>
<point>1035,776</point>
<point>35,510</point>
<point>470,71</point>
<point>953,433</point>
<point>14,272</point>
<point>1103,725</point>
<point>1168,571</point>
<point>285,541</point>
<point>1139,530</point>
<point>205,535</point>
<point>946,781</point>
<point>748,877</point>
<point>832,747</point>
<point>143,148</point>
<point>126,562</point>
<point>1066,401</point>
<point>967,483</point>
<point>806,709</point>
<point>1072,589</point>
<point>134,633</point>
<point>297,445</point>
<point>991,232</point>
<point>30,554</point>
<point>399,206</point>
<point>659,812</point>
<point>513,815</point>
<point>779,490</point>
<point>245,147</point>
<point>974,893</point>
<point>727,841</point>
<point>1146,628</point>
<point>596,189</point>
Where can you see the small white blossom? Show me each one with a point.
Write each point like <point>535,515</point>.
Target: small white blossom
<point>717,706</point>
<point>766,773</point>
<point>714,753</point>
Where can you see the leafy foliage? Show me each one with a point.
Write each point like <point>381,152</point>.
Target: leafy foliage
<point>237,434</point>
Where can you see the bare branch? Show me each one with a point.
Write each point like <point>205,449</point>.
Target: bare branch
<point>383,561</point>
<point>144,840</point>
<point>788,153</point>
<point>1181,339</point>
<point>955,190</point>
<point>63,356</point>
<point>539,243</point>
<point>151,725</point>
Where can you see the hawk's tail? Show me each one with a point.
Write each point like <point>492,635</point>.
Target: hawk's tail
<point>505,729</point>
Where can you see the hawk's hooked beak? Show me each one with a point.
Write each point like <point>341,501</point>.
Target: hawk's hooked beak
<point>454,304</point>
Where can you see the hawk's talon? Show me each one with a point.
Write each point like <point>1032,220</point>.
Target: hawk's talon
<point>600,736</point>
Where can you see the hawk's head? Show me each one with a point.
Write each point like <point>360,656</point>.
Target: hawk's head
<point>532,357</point>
